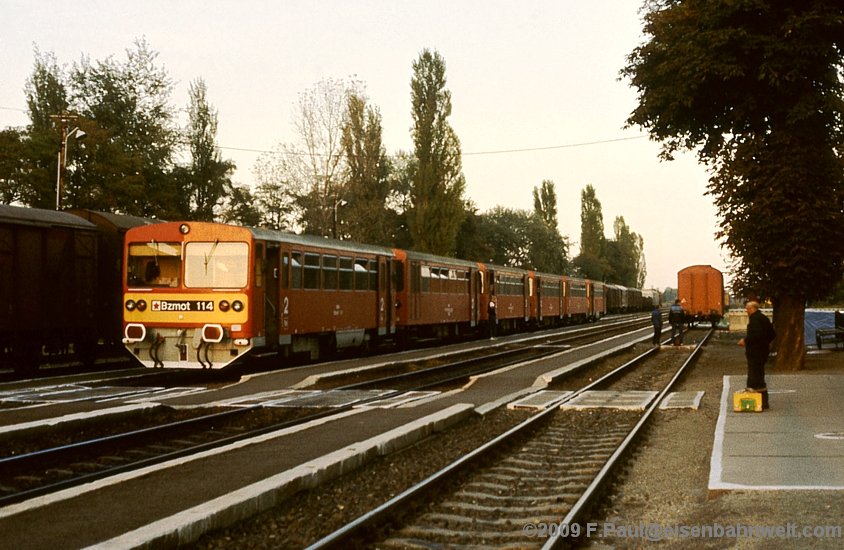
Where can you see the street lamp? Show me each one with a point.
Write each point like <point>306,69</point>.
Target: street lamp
<point>65,135</point>
<point>337,203</point>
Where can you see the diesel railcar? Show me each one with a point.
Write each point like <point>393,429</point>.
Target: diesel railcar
<point>202,295</point>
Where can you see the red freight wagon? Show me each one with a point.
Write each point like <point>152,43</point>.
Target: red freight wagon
<point>700,289</point>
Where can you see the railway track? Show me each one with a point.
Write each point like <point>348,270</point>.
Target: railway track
<point>43,471</point>
<point>527,488</point>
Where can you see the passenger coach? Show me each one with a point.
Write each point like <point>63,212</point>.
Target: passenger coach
<point>200,295</point>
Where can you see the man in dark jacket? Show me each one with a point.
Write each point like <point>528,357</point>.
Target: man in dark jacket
<point>676,316</point>
<point>756,344</point>
<point>656,321</point>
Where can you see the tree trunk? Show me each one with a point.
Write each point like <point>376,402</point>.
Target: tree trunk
<point>789,315</point>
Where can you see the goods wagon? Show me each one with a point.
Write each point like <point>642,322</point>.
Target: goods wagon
<point>700,289</point>
<point>48,269</point>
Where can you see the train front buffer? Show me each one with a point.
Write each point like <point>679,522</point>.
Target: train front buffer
<point>186,331</point>
<point>186,302</point>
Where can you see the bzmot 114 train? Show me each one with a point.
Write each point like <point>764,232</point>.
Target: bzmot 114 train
<point>201,295</point>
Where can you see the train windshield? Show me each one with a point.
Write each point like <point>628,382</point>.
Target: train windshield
<point>154,264</point>
<point>216,264</point>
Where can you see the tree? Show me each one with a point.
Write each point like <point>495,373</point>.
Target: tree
<point>591,262</point>
<point>129,153</point>
<point>438,182</point>
<point>755,88</point>
<point>624,255</point>
<point>319,123</point>
<point>12,153</point>
<point>545,203</point>
<point>46,94</point>
<point>240,207</point>
<point>303,182</point>
<point>208,176</point>
<point>516,238</point>
<point>367,218</point>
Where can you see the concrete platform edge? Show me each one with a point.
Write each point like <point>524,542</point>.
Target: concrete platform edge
<point>36,426</point>
<point>189,525</point>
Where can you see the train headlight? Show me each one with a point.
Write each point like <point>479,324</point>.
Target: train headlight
<point>141,305</point>
<point>184,229</point>
<point>212,333</point>
<point>130,305</point>
<point>224,305</point>
<point>134,332</point>
<point>237,305</point>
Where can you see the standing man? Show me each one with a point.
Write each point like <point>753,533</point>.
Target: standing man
<point>656,321</point>
<point>675,317</point>
<point>493,320</point>
<point>756,344</point>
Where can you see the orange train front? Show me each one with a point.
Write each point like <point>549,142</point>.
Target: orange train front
<point>188,291</point>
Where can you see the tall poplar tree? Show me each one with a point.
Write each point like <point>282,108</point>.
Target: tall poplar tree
<point>366,217</point>
<point>593,244</point>
<point>208,176</point>
<point>438,183</point>
<point>755,87</point>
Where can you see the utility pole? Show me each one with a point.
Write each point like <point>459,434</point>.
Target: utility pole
<point>62,120</point>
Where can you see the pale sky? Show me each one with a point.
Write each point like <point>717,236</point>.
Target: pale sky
<point>537,75</point>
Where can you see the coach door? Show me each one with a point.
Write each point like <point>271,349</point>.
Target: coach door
<point>385,297</point>
<point>272,280</point>
<point>474,296</point>
<point>528,286</point>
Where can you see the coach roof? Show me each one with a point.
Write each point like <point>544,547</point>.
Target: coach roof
<point>19,215</point>
<point>314,241</point>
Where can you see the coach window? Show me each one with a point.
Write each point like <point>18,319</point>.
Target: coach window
<point>373,275</point>
<point>285,270</point>
<point>361,274</point>
<point>329,272</point>
<point>216,264</point>
<point>295,270</point>
<point>154,264</point>
<point>347,274</point>
<point>311,271</point>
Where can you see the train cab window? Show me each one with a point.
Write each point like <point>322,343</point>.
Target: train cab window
<point>154,264</point>
<point>329,272</point>
<point>311,271</point>
<point>295,270</point>
<point>216,264</point>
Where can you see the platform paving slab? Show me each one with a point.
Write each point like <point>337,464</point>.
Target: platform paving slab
<point>793,445</point>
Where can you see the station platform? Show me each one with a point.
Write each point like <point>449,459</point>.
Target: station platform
<point>797,444</point>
